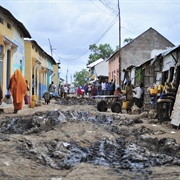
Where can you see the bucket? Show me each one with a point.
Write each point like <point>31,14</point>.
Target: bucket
<point>32,104</point>
<point>125,104</point>
<point>153,92</point>
<point>34,98</point>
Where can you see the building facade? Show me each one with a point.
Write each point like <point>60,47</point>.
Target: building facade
<point>137,51</point>
<point>40,68</point>
<point>12,34</point>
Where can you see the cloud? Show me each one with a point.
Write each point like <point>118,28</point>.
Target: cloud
<point>72,25</point>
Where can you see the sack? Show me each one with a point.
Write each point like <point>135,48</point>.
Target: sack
<point>27,99</point>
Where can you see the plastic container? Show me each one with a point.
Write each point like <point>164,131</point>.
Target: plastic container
<point>32,104</point>
<point>125,104</point>
<point>153,91</point>
<point>34,97</point>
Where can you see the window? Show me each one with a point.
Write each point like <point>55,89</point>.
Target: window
<point>8,26</point>
<point>1,20</point>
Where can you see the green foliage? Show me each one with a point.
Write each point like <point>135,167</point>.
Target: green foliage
<point>127,40</point>
<point>104,51</point>
<point>81,78</point>
<point>138,75</point>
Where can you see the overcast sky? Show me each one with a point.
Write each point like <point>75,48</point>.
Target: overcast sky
<point>73,25</point>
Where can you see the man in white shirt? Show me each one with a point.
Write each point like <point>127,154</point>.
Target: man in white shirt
<point>139,91</point>
<point>65,91</point>
<point>103,88</point>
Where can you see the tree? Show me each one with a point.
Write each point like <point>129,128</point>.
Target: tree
<point>81,78</point>
<point>127,40</point>
<point>104,51</point>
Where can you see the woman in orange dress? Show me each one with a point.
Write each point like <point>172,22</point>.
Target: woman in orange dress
<point>17,87</point>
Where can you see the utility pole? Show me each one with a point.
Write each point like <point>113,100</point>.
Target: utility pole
<point>51,49</point>
<point>119,14</point>
<point>67,76</point>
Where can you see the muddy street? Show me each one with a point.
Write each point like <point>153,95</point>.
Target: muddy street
<point>70,140</point>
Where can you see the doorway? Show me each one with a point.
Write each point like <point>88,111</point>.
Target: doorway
<point>177,77</point>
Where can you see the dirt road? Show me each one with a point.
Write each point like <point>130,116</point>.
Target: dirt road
<point>71,140</point>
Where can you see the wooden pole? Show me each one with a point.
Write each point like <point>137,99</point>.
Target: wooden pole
<point>119,14</point>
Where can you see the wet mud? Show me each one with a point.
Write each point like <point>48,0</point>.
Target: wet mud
<point>130,149</point>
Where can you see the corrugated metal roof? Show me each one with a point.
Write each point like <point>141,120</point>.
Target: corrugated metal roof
<point>95,63</point>
<point>170,50</point>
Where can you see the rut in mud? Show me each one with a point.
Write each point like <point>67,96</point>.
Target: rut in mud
<point>130,148</point>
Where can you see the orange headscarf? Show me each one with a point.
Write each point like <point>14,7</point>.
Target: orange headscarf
<point>18,86</point>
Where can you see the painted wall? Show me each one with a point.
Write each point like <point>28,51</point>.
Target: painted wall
<point>113,68</point>
<point>9,41</point>
<point>49,79</point>
<point>28,64</point>
<point>102,69</point>
<point>18,59</point>
<point>3,27</point>
<point>55,77</point>
<point>35,64</point>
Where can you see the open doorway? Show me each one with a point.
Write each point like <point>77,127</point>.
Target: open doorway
<point>164,77</point>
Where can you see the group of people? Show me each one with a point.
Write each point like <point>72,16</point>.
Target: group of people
<point>63,90</point>
<point>134,95</point>
<point>18,87</point>
<point>159,91</point>
<point>100,88</point>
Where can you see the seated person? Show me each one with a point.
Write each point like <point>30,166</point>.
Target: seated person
<point>118,91</point>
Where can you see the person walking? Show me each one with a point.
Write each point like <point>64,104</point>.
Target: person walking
<point>62,91</point>
<point>52,87</point>
<point>27,96</point>
<point>103,88</point>
<point>112,87</point>
<point>89,89</point>
<point>138,98</point>
<point>65,91</point>
<point>18,88</point>
<point>94,91</point>
<point>129,96</point>
<point>107,88</point>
